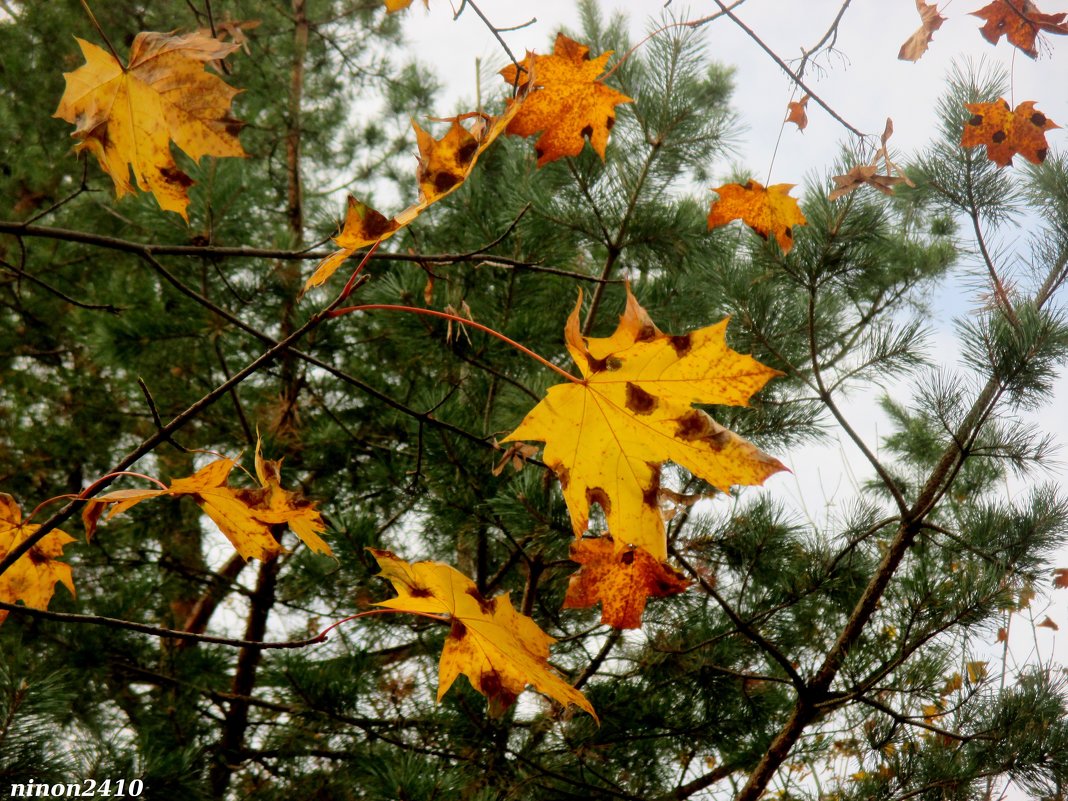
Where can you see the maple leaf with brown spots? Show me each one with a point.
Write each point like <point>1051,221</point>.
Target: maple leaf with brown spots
<point>499,650</point>
<point>1020,21</point>
<point>769,212</point>
<point>565,101</point>
<point>127,116</point>
<point>444,164</point>
<point>1007,132</point>
<point>621,577</point>
<point>33,577</point>
<point>930,21</point>
<point>607,434</point>
<point>246,516</point>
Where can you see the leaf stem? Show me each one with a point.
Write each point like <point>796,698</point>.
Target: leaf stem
<point>462,321</point>
<point>82,495</point>
<point>322,634</point>
<point>100,30</point>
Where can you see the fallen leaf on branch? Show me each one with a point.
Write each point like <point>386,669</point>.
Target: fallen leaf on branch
<point>33,577</point>
<point>1020,21</point>
<point>128,116</point>
<point>930,21</point>
<point>622,578</point>
<point>565,101</point>
<point>1060,578</point>
<point>769,212</point>
<point>869,173</point>
<point>245,516</point>
<point>607,435</point>
<point>1006,133</point>
<point>499,650</point>
<point>1048,624</point>
<point>516,454</point>
<point>444,164</point>
<point>796,112</point>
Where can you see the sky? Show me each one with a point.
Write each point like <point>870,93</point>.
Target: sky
<point>863,80</point>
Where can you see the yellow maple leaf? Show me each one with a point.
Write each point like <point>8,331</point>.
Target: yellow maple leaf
<point>245,516</point>
<point>127,116</point>
<point>32,578</point>
<point>399,5</point>
<point>565,101</point>
<point>769,212</point>
<point>607,435</point>
<point>444,164</point>
<point>621,577</point>
<point>977,671</point>
<point>498,649</point>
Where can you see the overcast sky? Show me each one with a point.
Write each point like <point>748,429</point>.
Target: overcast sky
<point>863,80</point>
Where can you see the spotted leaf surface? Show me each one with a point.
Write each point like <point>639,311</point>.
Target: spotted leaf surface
<point>444,164</point>
<point>245,515</point>
<point>565,102</point>
<point>768,211</point>
<point>33,577</point>
<point>622,578</point>
<point>499,650</point>
<point>1020,22</point>
<point>1008,132</point>
<point>607,435</point>
<point>128,116</point>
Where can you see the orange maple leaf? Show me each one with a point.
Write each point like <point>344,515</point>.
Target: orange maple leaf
<point>127,116</point>
<point>607,435</point>
<point>768,211</point>
<point>1060,578</point>
<point>33,577</point>
<point>498,649</point>
<point>621,577</point>
<point>566,103</point>
<point>1020,21</point>
<point>245,516</point>
<point>1048,623</point>
<point>1006,133</point>
<point>444,164</point>
<point>930,21</point>
<point>796,112</point>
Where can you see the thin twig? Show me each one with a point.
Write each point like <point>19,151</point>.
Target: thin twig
<point>156,631</point>
<point>105,307</point>
<point>786,68</point>
<point>100,30</point>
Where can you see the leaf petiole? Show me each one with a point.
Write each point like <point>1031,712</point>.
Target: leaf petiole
<point>322,634</point>
<point>462,321</point>
<point>87,492</point>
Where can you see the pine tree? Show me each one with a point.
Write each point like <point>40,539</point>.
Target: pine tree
<point>839,659</point>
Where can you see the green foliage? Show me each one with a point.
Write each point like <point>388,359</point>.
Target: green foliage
<point>392,427</point>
